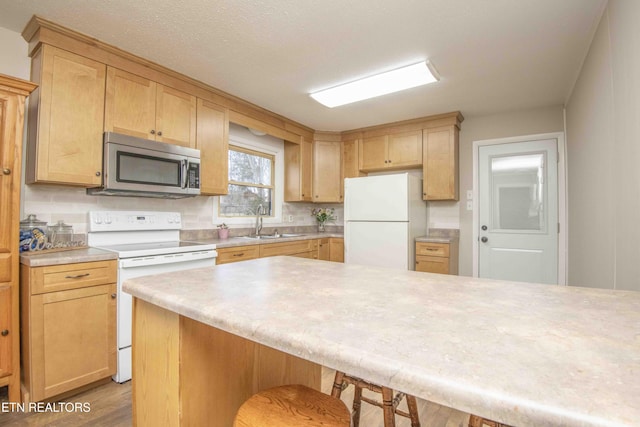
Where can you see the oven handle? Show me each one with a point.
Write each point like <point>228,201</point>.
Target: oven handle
<point>168,259</point>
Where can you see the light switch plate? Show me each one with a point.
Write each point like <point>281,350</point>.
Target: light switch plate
<point>469,194</point>
<point>290,218</point>
<point>469,205</point>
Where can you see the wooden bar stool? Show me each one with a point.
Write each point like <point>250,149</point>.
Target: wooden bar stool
<point>476,421</point>
<point>389,403</point>
<point>292,405</point>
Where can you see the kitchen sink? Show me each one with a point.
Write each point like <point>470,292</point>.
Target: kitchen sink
<point>272,236</point>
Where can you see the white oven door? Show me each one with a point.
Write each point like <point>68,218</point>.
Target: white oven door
<point>130,268</point>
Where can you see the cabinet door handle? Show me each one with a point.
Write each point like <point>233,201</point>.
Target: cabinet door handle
<point>240,254</point>
<point>152,132</point>
<point>432,249</point>
<point>160,133</point>
<point>6,171</point>
<point>113,296</point>
<point>78,276</point>
<point>5,332</point>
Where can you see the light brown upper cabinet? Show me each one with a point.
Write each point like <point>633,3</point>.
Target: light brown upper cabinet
<point>440,163</point>
<point>66,116</point>
<point>394,151</point>
<point>143,108</point>
<point>213,142</point>
<point>350,149</point>
<point>327,172</point>
<point>298,159</point>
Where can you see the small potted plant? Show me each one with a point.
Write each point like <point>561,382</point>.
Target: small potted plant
<point>322,216</point>
<point>223,231</point>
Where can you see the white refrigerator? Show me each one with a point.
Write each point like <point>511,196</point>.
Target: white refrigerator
<point>383,215</point>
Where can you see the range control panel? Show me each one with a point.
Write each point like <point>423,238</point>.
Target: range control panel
<point>133,221</point>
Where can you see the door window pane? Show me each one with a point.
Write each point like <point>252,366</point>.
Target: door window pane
<point>518,187</point>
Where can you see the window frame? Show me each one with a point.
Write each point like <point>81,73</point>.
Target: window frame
<point>240,136</point>
<point>272,186</point>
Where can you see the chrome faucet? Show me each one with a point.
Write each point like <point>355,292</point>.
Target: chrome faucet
<point>259,212</point>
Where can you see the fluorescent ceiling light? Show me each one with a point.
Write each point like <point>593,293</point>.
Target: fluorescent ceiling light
<point>380,84</point>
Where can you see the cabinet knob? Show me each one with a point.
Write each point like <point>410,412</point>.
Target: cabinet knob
<point>98,173</point>
<point>160,133</point>
<point>5,332</point>
<point>6,171</point>
<point>152,132</point>
<point>113,296</point>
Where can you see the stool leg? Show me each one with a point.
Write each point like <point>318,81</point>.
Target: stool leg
<point>357,403</point>
<point>387,407</point>
<point>336,391</point>
<point>413,411</point>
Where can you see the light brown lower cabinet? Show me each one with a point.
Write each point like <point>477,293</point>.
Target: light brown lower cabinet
<point>328,249</point>
<point>439,258</point>
<point>324,249</point>
<point>6,350</point>
<point>68,326</point>
<point>336,249</point>
<point>237,253</point>
<point>299,248</point>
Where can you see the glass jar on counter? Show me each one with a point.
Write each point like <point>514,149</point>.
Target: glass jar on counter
<point>33,234</point>
<point>60,234</point>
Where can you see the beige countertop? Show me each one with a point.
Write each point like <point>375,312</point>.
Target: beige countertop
<point>243,241</point>
<point>436,239</point>
<point>440,235</point>
<point>523,354</point>
<point>42,258</point>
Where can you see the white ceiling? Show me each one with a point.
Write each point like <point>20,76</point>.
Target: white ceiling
<point>492,55</point>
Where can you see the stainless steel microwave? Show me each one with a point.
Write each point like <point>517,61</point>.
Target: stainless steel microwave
<point>143,168</point>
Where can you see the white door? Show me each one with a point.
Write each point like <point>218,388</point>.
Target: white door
<point>518,211</point>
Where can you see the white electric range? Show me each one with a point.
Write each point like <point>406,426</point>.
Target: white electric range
<point>146,243</point>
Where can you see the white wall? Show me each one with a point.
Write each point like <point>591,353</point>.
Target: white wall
<point>603,154</point>
<point>13,55</point>
<point>525,122</point>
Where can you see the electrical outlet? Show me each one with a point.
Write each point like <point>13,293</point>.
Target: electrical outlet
<point>469,205</point>
<point>290,218</point>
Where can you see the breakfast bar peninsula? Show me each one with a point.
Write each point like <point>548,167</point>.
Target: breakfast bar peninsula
<point>524,354</point>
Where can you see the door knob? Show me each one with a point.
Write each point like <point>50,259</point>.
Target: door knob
<point>484,239</point>
<point>484,228</point>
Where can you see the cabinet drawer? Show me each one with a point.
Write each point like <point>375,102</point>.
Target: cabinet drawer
<point>288,248</point>
<point>72,276</point>
<point>238,253</point>
<point>432,249</point>
<point>430,264</point>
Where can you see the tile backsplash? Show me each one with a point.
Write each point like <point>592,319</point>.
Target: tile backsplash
<point>52,203</point>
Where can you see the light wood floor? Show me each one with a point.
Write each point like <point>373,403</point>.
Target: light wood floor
<point>111,407</point>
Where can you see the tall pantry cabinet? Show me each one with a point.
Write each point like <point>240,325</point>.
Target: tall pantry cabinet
<point>12,100</point>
